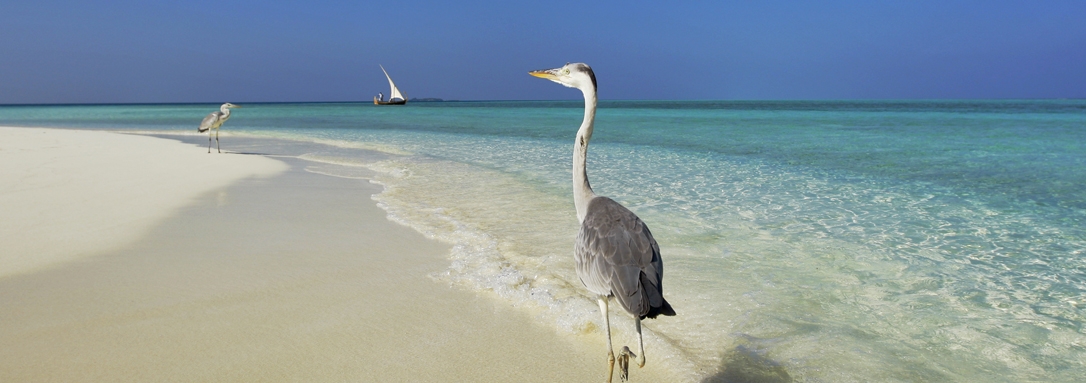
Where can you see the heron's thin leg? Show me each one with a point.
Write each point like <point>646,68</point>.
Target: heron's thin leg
<point>607,330</point>
<point>217,141</point>
<point>209,142</point>
<point>640,344</point>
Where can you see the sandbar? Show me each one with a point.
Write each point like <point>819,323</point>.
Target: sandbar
<point>265,272</point>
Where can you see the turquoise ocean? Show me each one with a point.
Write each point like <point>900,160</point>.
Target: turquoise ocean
<point>813,241</point>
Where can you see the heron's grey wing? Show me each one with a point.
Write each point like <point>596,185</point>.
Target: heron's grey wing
<point>616,254</point>
<point>208,122</point>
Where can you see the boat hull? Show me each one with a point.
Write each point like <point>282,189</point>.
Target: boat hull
<point>391,102</point>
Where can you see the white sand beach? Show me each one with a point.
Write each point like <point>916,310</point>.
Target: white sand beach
<point>134,258</point>
<point>69,194</point>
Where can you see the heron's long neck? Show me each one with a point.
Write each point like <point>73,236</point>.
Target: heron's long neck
<point>582,191</point>
<point>225,112</point>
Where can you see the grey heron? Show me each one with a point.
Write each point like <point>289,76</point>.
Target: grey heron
<point>615,253</point>
<point>213,121</point>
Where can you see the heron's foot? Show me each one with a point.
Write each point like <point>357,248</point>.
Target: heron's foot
<point>624,363</point>
<point>641,360</point>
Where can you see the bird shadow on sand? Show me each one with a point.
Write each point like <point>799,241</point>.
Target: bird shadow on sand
<point>251,154</point>
<point>744,365</point>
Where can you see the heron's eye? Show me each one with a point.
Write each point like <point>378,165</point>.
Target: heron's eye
<point>565,72</point>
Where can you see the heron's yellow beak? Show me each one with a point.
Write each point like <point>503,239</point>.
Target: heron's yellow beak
<point>544,73</point>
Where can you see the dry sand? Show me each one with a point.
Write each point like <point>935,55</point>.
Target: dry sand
<point>69,194</point>
<point>252,270</point>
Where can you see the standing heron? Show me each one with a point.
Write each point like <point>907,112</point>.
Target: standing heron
<point>615,252</point>
<point>213,121</point>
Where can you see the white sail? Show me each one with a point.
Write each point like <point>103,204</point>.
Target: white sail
<point>395,91</point>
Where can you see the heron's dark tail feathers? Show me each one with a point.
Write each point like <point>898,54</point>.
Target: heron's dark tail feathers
<point>202,129</point>
<point>654,296</point>
<point>664,309</point>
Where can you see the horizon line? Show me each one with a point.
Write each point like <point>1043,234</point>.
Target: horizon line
<point>439,100</point>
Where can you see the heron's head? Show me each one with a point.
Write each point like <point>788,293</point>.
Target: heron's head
<point>573,75</point>
<point>230,106</point>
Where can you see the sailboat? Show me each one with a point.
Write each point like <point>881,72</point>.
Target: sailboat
<point>395,97</point>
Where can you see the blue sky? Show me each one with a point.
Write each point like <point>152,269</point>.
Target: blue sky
<point>258,51</point>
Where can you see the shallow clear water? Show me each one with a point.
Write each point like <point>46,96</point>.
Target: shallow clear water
<point>829,241</point>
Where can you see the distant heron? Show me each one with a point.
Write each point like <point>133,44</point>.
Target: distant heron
<point>615,252</point>
<point>213,121</point>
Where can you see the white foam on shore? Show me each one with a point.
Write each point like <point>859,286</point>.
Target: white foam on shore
<point>517,250</point>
